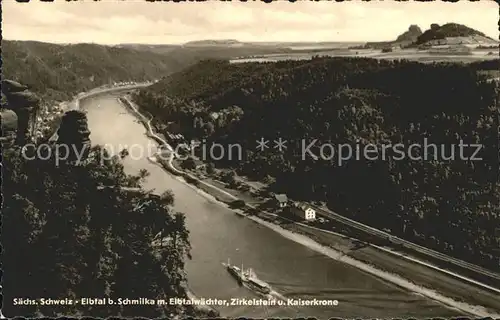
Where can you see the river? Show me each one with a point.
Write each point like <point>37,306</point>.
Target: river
<point>218,234</point>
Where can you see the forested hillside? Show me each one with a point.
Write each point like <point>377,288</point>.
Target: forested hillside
<point>57,72</point>
<point>451,205</point>
<point>206,49</point>
<point>448,30</point>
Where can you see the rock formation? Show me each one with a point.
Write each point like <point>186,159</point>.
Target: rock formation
<point>24,103</point>
<point>411,35</point>
<point>9,123</point>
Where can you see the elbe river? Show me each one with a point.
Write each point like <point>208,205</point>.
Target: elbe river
<point>216,234</point>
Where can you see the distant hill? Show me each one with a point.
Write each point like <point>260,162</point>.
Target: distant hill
<point>447,34</point>
<point>158,48</point>
<point>453,33</point>
<point>403,39</point>
<point>57,72</point>
<point>211,49</point>
<point>212,42</point>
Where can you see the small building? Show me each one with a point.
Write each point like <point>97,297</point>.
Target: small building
<point>281,200</point>
<point>304,212</point>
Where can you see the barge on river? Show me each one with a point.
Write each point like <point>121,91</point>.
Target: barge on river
<point>248,278</point>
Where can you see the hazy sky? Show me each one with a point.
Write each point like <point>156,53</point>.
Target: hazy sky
<point>129,21</point>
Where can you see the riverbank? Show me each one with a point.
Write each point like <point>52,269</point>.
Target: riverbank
<point>201,311</point>
<point>75,103</point>
<point>401,269</point>
<point>204,310</point>
<point>430,278</point>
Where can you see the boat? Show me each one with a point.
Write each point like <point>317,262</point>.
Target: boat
<point>258,284</point>
<point>248,278</point>
<point>255,283</point>
<point>236,272</point>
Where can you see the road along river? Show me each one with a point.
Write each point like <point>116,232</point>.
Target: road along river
<point>217,234</point>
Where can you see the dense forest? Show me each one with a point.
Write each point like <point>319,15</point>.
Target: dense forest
<point>447,30</point>
<point>71,231</point>
<point>450,205</point>
<point>58,72</point>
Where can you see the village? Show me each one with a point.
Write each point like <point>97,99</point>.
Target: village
<point>255,196</point>
<point>48,117</point>
<point>278,205</point>
<point>294,210</point>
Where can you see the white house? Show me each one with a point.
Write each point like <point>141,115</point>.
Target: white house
<point>310,214</point>
<point>304,212</point>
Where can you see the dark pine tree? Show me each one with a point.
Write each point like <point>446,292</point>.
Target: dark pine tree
<point>73,137</point>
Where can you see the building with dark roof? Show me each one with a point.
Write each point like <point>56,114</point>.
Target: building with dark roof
<point>281,200</point>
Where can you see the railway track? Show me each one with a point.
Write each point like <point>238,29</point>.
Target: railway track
<point>495,277</point>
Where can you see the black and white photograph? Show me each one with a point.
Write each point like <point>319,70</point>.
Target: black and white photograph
<point>260,159</point>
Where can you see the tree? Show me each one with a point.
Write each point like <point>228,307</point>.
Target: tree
<point>143,174</point>
<point>73,136</point>
<point>124,153</point>
<point>189,164</point>
<point>208,129</point>
<point>229,177</point>
<point>86,241</point>
<point>210,168</point>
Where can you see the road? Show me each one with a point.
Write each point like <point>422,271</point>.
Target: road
<point>322,212</point>
<point>395,240</point>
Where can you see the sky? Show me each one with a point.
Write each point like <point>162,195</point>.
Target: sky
<point>138,21</point>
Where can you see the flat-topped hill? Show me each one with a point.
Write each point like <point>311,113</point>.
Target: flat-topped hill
<point>452,33</point>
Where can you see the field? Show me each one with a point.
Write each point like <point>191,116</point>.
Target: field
<point>410,54</point>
